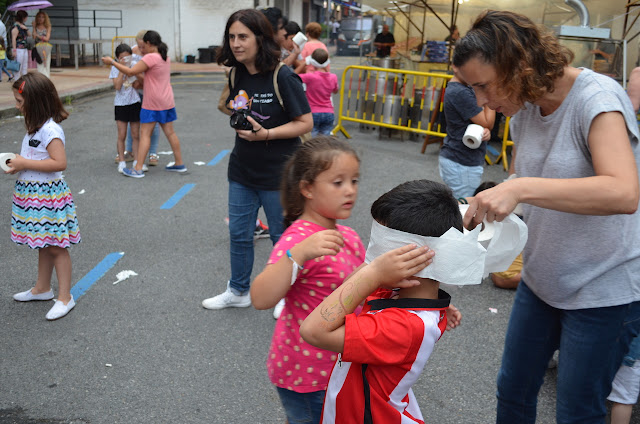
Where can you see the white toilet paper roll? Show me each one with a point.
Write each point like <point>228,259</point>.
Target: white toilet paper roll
<point>4,157</point>
<point>472,137</point>
<point>300,39</point>
<point>487,231</point>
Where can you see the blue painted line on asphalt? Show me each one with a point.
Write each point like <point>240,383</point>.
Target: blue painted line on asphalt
<point>218,157</point>
<point>173,200</point>
<point>95,274</point>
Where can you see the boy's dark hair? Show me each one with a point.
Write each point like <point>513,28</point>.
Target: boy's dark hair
<point>122,48</point>
<point>41,101</point>
<point>312,158</point>
<point>2,43</point>
<point>153,38</point>
<point>484,186</point>
<point>320,55</point>
<point>422,207</point>
<point>275,18</point>
<point>292,28</point>
<point>268,50</point>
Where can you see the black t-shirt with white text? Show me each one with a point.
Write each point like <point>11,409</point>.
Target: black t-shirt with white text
<point>259,164</point>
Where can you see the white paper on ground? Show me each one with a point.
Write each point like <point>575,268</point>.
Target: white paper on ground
<point>123,275</point>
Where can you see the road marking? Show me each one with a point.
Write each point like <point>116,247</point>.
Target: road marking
<point>95,274</point>
<point>173,200</point>
<point>218,157</point>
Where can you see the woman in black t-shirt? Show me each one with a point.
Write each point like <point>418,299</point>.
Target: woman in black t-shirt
<point>259,154</point>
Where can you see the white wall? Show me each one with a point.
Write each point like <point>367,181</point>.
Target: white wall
<point>184,25</point>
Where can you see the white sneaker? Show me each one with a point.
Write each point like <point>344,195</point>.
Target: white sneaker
<point>227,300</point>
<point>145,168</point>
<point>28,296</point>
<point>60,309</point>
<point>277,310</point>
<point>121,166</point>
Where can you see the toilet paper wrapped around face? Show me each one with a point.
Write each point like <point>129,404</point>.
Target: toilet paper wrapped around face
<point>460,258</point>
<point>502,240</point>
<point>4,157</point>
<point>472,137</point>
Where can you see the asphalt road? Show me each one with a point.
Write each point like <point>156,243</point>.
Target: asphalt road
<point>144,350</point>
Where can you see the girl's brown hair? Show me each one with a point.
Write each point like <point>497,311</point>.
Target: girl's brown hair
<point>527,58</point>
<point>312,158</point>
<point>41,101</point>
<point>314,30</point>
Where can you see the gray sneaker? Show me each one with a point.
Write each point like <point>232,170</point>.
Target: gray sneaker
<point>227,300</point>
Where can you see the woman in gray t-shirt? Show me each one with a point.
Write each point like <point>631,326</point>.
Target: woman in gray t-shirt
<point>577,141</point>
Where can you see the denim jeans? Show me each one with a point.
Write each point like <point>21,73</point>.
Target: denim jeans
<point>244,203</point>
<point>3,68</point>
<point>591,343</point>
<point>462,180</point>
<point>322,123</point>
<point>302,408</point>
<point>153,149</point>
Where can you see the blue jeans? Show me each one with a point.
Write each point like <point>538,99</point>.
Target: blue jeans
<point>302,408</point>
<point>462,180</point>
<point>591,343</point>
<point>244,203</point>
<point>153,150</point>
<point>322,123</point>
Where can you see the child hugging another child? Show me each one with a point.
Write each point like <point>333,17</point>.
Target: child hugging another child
<point>127,105</point>
<point>384,349</point>
<point>43,214</point>
<point>320,84</point>
<point>311,259</point>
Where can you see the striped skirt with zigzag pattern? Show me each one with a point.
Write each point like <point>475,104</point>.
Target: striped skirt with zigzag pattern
<point>43,214</point>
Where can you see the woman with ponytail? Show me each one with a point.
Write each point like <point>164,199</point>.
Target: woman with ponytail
<point>157,104</point>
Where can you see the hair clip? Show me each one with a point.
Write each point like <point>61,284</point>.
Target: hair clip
<point>21,87</point>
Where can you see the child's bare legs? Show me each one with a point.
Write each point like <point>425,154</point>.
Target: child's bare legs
<point>122,135</point>
<point>146,129</point>
<point>174,141</point>
<point>621,413</point>
<point>49,258</point>
<point>135,137</point>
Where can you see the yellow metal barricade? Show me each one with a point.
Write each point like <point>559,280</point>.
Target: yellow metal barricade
<point>117,40</point>
<point>390,98</point>
<point>398,99</point>
<point>505,143</point>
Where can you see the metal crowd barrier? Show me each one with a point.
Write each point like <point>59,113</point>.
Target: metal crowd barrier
<point>391,98</point>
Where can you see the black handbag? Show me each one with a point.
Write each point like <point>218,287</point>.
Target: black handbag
<point>35,55</point>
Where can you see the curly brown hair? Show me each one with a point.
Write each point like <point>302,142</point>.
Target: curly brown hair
<point>527,58</point>
<point>310,160</point>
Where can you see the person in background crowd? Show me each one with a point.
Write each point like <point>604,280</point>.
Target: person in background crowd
<point>383,42</point>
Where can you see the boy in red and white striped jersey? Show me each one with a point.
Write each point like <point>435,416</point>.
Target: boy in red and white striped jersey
<point>384,349</point>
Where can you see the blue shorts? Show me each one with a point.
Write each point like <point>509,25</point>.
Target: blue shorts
<point>302,408</point>
<point>162,116</point>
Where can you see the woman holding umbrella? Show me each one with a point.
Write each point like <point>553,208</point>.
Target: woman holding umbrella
<point>19,34</point>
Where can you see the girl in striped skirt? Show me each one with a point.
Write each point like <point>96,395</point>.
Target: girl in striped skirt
<point>43,214</point>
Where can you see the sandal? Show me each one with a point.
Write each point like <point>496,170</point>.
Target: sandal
<point>153,159</point>
<point>128,157</point>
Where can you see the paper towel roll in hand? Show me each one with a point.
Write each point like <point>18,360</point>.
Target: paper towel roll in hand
<point>4,157</point>
<point>472,137</point>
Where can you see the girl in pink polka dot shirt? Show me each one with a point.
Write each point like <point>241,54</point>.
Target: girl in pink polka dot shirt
<point>312,258</point>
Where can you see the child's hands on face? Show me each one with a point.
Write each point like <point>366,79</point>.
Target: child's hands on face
<point>393,268</point>
<point>453,317</point>
<point>15,165</point>
<point>326,242</point>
